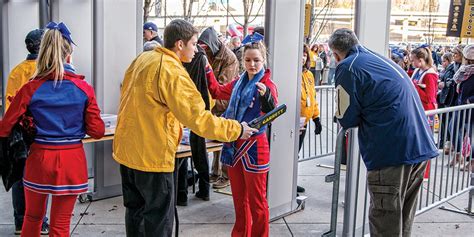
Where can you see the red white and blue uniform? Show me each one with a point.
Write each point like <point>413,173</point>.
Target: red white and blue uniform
<point>248,160</point>
<point>253,152</point>
<point>63,113</point>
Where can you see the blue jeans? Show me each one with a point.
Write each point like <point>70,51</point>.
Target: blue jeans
<point>18,200</point>
<point>456,129</point>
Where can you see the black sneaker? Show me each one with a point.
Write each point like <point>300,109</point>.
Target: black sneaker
<point>17,230</point>
<point>44,229</point>
<point>300,189</point>
<point>202,195</point>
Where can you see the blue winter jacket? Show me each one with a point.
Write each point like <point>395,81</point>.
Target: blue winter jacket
<point>376,95</point>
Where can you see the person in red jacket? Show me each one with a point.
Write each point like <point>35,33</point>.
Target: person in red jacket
<point>425,79</point>
<point>64,109</point>
<point>248,161</point>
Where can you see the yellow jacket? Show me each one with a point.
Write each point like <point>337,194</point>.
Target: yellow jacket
<point>312,58</point>
<point>18,77</point>
<point>308,110</point>
<point>157,96</point>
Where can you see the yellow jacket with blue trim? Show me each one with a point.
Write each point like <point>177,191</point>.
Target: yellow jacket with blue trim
<point>309,105</point>
<point>18,77</point>
<point>157,98</point>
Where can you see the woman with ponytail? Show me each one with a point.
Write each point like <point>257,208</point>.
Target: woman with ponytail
<point>248,160</point>
<point>425,79</point>
<point>63,108</point>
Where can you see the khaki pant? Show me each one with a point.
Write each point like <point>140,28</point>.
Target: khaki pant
<point>216,164</point>
<point>393,197</point>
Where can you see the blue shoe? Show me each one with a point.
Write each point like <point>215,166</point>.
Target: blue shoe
<point>44,229</point>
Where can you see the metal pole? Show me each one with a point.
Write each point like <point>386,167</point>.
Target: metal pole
<point>312,21</point>
<point>357,9</point>
<point>2,56</point>
<point>268,19</point>
<point>166,13</point>
<point>227,17</point>
<point>44,13</point>
<point>335,178</point>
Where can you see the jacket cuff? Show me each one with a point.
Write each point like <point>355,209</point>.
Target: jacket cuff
<point>241,130</point>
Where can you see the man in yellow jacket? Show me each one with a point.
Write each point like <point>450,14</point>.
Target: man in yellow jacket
<point>22,72</point>
<point>157,97</point>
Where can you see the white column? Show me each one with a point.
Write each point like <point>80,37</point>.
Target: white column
<point>372,24</point>
<point>77,15</point>
<point>284,33</point>
<point>20,17</point>
<point>108,34</point>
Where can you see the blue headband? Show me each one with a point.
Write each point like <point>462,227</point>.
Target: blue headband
<point>253,38</point>
<point>63,29</point>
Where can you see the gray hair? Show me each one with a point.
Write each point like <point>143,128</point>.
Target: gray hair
<point>150,45</point>
<point>342,40</point>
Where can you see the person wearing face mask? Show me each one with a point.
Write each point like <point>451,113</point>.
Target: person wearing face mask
<point>248,160</point>
<point>395,140</point>
<point>158,97</point>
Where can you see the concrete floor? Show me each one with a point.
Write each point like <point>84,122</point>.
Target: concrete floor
<point>216,217</point>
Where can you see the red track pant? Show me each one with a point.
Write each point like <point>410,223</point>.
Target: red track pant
<point>427,171</point>
<point>60,219</point>
<point>249,191</point>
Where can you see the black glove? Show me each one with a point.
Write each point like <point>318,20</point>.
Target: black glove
<point>318,127</point>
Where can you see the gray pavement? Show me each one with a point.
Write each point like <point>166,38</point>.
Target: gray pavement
<point>215,218</point>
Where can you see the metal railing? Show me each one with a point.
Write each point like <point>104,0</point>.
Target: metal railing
<point>335,179</point>
<point>448,175</point>
<point>324,144</point>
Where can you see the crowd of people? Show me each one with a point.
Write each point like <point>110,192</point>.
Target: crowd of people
<point>214,88</point>
<point>442,79</point>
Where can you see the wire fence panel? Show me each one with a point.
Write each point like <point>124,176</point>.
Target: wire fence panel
<point>317,146</point>
<point>447,176</point>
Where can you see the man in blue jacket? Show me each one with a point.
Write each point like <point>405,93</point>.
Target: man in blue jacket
<point>376,95</point>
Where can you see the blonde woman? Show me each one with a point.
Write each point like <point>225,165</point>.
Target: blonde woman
<point>63,110</point>
<point>425,80</point>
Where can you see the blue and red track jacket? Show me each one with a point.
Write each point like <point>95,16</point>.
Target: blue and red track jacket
<point>62,113</point>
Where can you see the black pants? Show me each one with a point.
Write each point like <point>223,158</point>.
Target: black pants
<point>182,167</point>
<point>149,201</point>
<point>201,161</point>
<point>443,129</point>
<point>302,135</point>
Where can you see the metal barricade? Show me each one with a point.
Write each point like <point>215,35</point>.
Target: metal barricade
<point>335,179</point>
<point>324,144</point>
<point>448,175</point>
